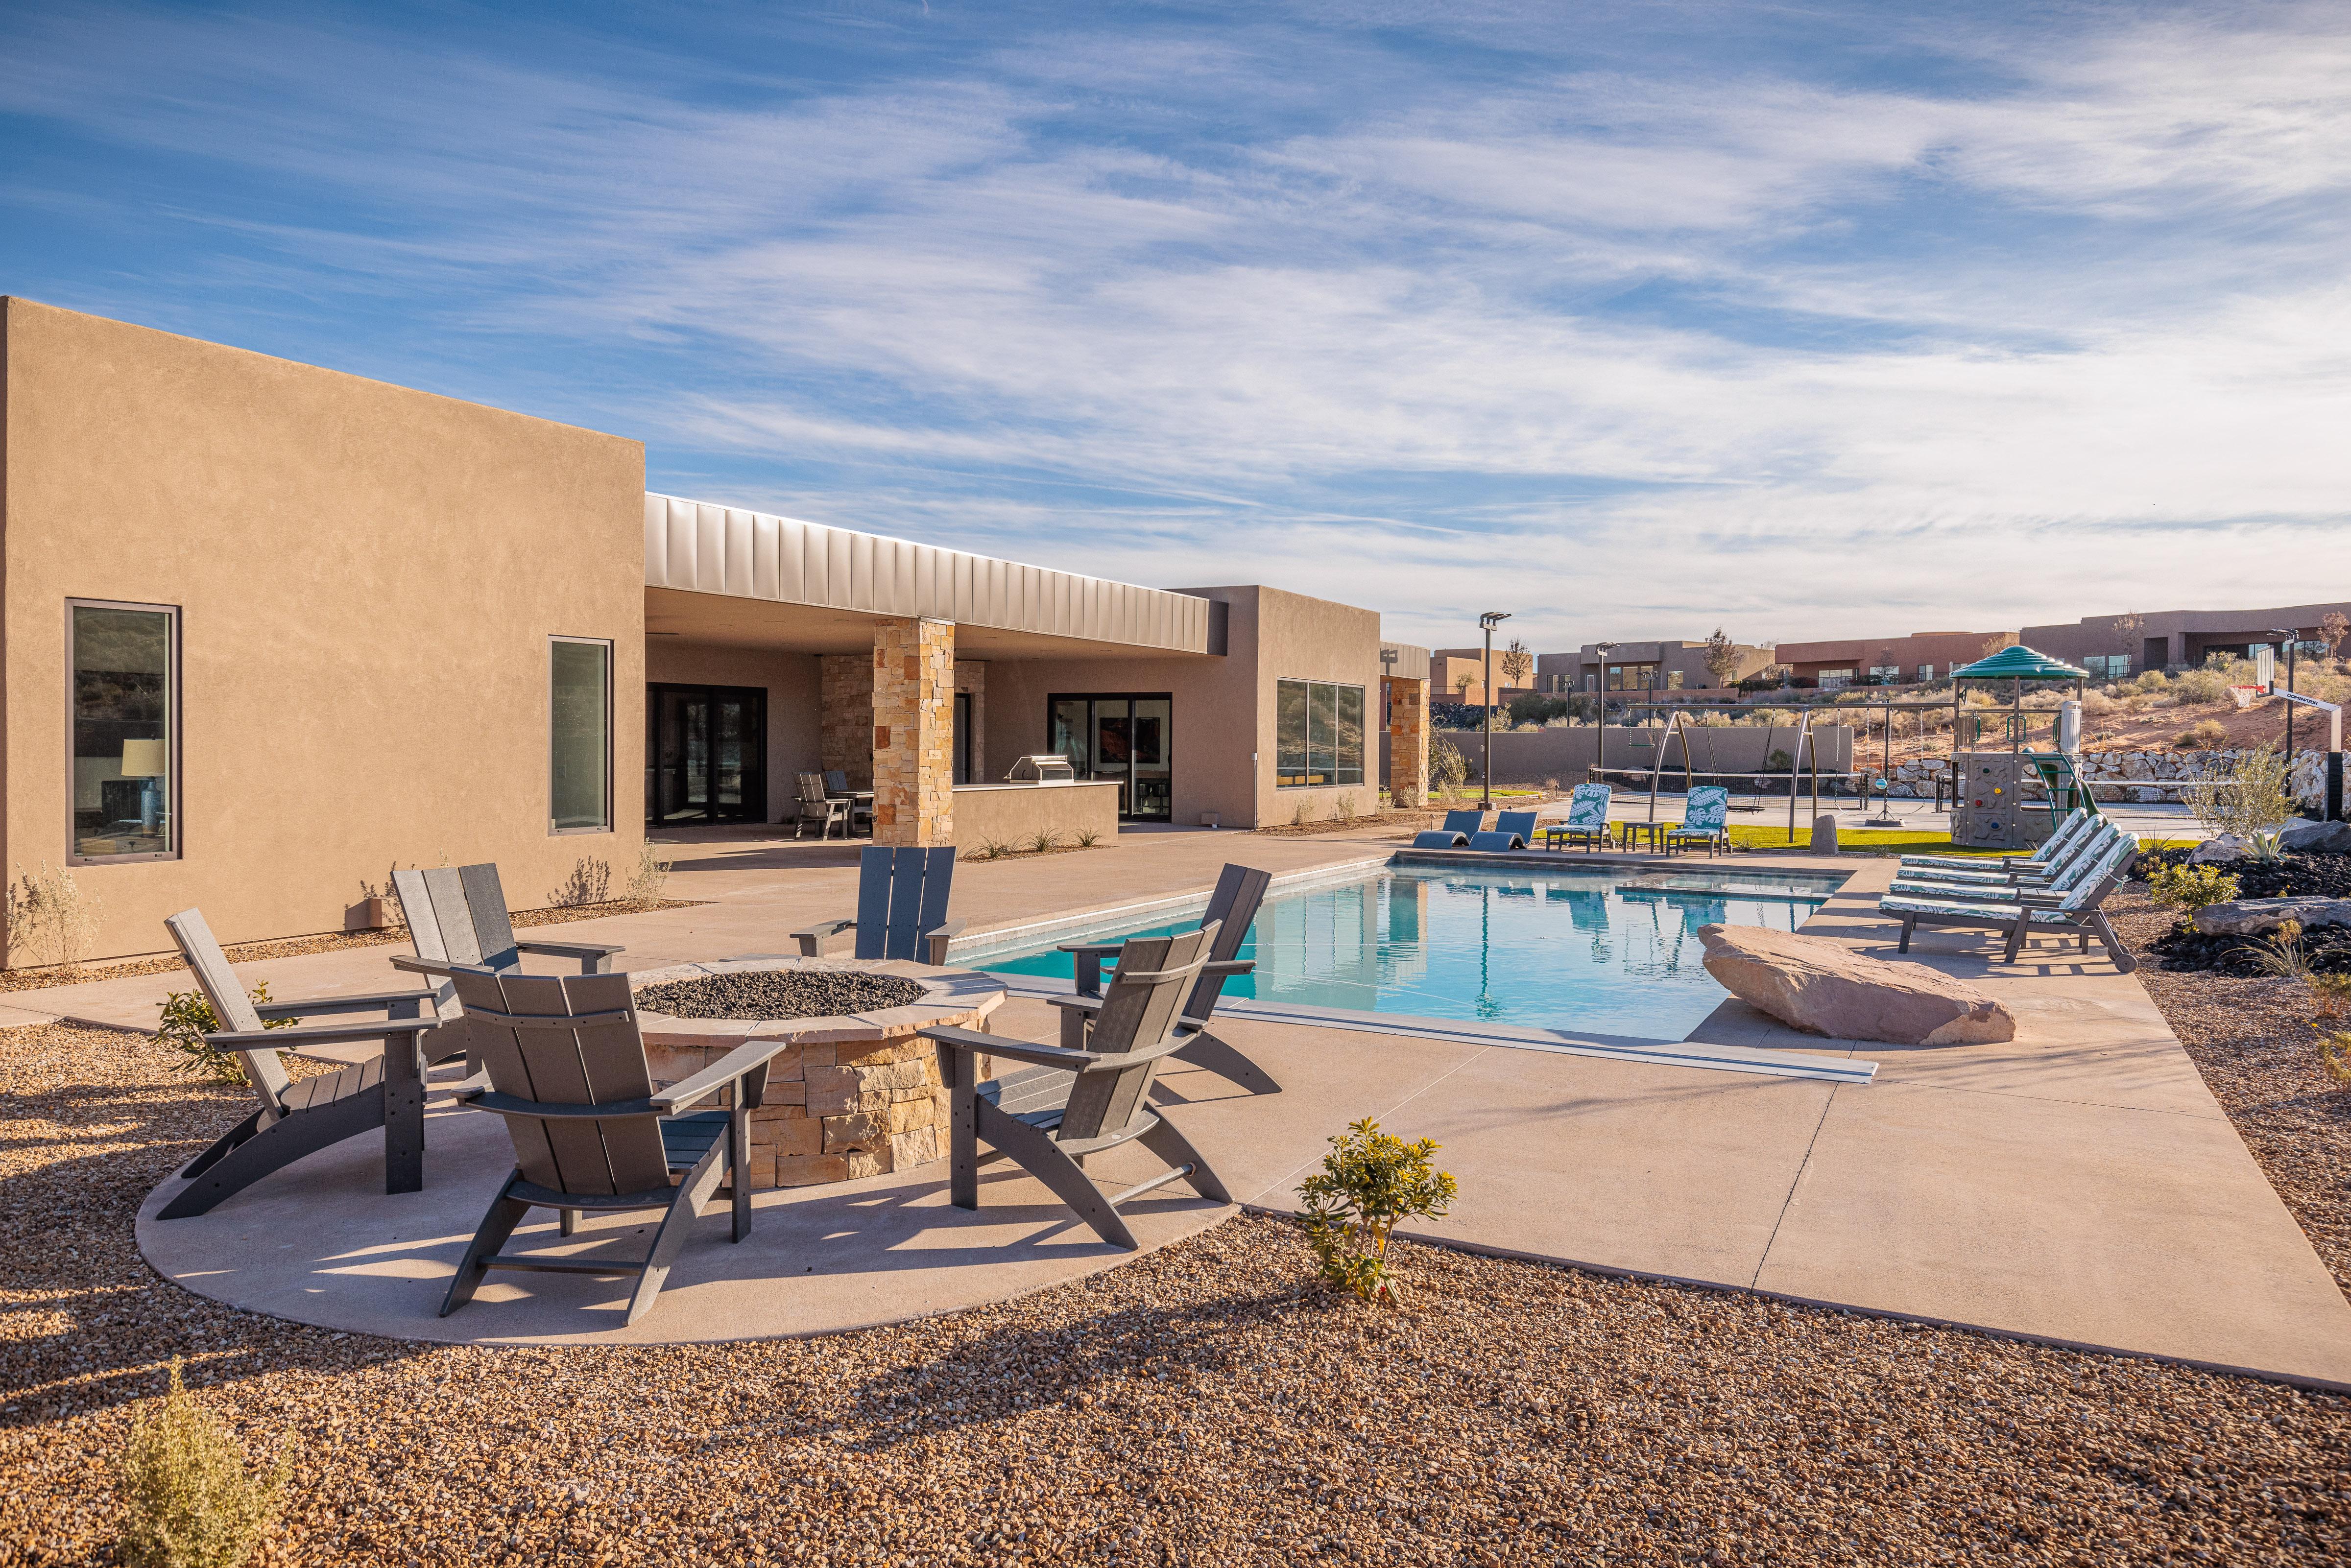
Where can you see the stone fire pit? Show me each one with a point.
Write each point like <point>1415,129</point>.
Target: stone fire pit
<point>857,1094</point>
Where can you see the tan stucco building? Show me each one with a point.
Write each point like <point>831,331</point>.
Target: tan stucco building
<point>271,630</point>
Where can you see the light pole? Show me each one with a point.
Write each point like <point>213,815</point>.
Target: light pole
<point>2292,640</point>
<point>1600,742</point>
<point>1487,622</point>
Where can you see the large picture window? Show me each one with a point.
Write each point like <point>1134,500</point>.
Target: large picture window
<point>580,788</point>
<point>1318,734</point>
<point>125,672</point>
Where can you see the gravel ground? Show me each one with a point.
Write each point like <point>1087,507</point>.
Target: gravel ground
<point>1203,1404</point>
<point>777,994</point>
<point>29,979</point>
<point>2252,1039</point>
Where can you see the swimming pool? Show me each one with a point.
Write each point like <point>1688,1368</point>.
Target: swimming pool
<point>1602,949</point>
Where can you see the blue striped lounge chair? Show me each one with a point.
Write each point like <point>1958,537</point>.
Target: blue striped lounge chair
<point>1510,832</point>
<point>2078,822</point>
<point>1454,835</point>
<point>1706,819</point>
<point>2031,913</point>
<point>1587,820</point>
<point>2061,876</point>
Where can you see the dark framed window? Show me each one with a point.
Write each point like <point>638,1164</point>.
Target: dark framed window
<point>580,710</point>
<point>705,754</point>
<point>1318,734</point>
<point>1125,738</point>
<point>123,786</point>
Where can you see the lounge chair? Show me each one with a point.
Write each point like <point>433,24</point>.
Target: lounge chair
<point>1070,1105</point>
<point>297,1117</point>
<point>901,907</point>
<point>836,785</point>
<point>1706,820</point>
<point>2030,914</point>
<point>1232,909</point>
<point>2077,822</point>
<point>1454,835</point>
<point>2061,875</point>
<point>1586,822</point>
<point>817,806</point>
<point>566,1067</point>
<point>1511,829</point>
<point>458,916</point>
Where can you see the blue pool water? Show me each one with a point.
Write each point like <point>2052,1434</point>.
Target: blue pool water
<point>1606,951</point>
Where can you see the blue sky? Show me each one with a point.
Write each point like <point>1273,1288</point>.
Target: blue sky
<point>1632,319</point>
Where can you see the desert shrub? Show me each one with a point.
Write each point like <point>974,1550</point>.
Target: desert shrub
<point>2189,888</point>
<point>1088,837</point>
<point>1301,811</point>
<point>2205,735</point>
<point>1343,807</point>
<point>1446,767</point>
<point>648,877</point>
<point>49,917</point>
<point>2151,681</point>
<point>1048,840</point>
<point>188,1016</point>
<point>2246,795</point>
<point>1369,1183</point>
<point>1537,708</point>
<point>590,882</point>
<point>2096,702</point>
<point>1778,762</point>
<point>184,1499</point>
<point>991,849</point>
<point>2208,684</point>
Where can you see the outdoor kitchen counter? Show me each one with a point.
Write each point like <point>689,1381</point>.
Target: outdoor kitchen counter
<point>1016,813</point>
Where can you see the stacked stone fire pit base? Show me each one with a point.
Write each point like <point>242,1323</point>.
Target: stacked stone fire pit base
<point>856,1094</point>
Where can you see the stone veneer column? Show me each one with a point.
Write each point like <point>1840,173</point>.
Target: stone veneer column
<point>913,732</point>
<point>1408,738</point>
<point>845,717</point>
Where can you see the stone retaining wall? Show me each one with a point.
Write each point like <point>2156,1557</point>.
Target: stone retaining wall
<point>2147,777</point>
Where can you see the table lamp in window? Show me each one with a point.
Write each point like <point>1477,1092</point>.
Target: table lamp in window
<point>147,759</point>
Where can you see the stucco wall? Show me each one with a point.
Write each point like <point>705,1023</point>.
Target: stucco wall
<point>367,577</point>
<point>1535,756</point>
<point>790,683</point>
<point>1010,814</point>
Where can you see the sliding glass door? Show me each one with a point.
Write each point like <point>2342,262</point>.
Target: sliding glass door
<point>705,755</point>
<point>1127,738</point>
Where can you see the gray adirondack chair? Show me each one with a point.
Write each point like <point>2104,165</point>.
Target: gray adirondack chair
<point>1070,1105</point>
<point>1232,909</point>
<point>817,806</point>
<point>297,1118</point>
<point>457,917</point>
<point>836,784</point>
<point>566,1067</point>
<point>901,907</point>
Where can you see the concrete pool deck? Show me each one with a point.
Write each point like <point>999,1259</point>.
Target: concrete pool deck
<point>2078,1185</point>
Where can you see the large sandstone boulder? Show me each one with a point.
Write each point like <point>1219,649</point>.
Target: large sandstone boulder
<point>2221,849</point>
<point>2317,838</point>
<point>1811,983</point>
<point>2257,917</point>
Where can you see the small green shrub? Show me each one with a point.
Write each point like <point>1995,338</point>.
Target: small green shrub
<point>650,877</point>
<point>185,1498</point>
<point>1369,1183</point>
<point>188,1016</point>
<point>1089,837</point>
<point>1048,840</point>
<point>1778,762</point>
<point>2151,681</point>
<point>1344,807</point>
<point>1447,768</point>
<point>2189,888</point>
<point>2205,685</point>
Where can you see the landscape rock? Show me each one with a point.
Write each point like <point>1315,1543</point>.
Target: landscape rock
<point>2221,849</point>
<point>1825,987</point>
<point>2317,838</point>
<point>2257,917</point>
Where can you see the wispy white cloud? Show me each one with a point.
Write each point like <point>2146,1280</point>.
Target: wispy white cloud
<point>1637,340</point>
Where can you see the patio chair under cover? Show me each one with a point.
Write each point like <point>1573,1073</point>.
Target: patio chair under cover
<point>901,907</point>
<point>1070,1105</point>
<point>1510,832</point>
<point>836,784</point>
<point>2031,913</point>
<point>296,1118</point>
<point>817,805</point>
<point>1587,818</point>
<point>1454,834</point>
<point>1232,909</point>
<point>566,1067</point>
<point>1706,819</point>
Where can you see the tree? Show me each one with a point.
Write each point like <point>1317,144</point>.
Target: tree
<point>1462,683</point>
<point>1516,663</point>
<point>1996,642</point>
<point>2129,629</point>
<point>1723,658</point>
<point>2333,627</point>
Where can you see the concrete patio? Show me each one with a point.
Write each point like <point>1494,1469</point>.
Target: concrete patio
<point>2077,1184</point>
